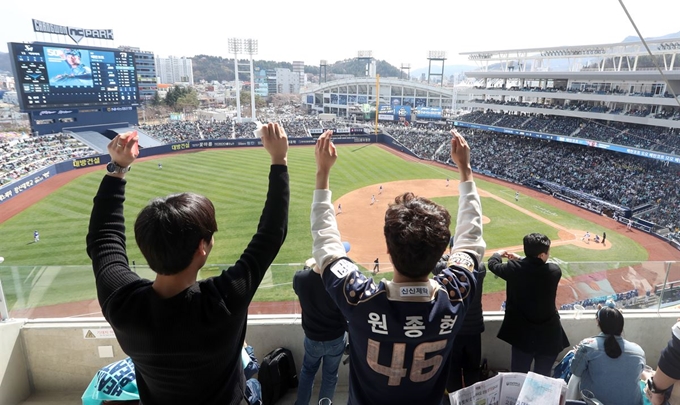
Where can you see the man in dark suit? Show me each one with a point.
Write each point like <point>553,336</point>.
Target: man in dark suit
<point>531,324</point>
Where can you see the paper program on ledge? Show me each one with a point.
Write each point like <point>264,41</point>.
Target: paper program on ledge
<point>539,389</point>
<point>512,389</point>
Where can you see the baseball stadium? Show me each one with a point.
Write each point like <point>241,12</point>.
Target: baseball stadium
<point>587,158</point>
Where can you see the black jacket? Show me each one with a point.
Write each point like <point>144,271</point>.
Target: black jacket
<point>473,323</point>
<point>321,318</point>
<point>531,321</point>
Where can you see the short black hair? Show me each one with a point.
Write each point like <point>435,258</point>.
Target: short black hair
<point>169,229</point>
<point>417,232</point>
<point>535,244</point>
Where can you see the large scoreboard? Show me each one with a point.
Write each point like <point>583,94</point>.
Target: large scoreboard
<point>52,76</point>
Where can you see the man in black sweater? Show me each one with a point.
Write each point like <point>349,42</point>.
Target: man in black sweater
<point>324,327</point>
<point>184,336</point>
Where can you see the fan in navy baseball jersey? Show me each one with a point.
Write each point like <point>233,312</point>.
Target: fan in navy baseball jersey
<point>402,331</point>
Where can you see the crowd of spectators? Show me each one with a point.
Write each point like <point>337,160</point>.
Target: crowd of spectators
<point>607,90</point>
<point>621,179</point>
<point>422,139</point>
<point>178,131</point>
<point>589,106</point>
<point>620,300</point>
<point>634,135</point>
<point>296,126</point>
<point>22,154</point>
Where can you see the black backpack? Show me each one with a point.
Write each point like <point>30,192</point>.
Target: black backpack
<point>277,375</point>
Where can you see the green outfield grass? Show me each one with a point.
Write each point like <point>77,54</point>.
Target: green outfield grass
<point>235,180</point>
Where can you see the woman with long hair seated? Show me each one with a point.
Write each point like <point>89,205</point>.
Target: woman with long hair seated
<point>609,365</point>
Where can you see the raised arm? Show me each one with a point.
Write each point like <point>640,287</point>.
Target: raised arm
<point>326,242</point>
<point>106,231</point>
<point>468,235</point>
<point>240,282</point>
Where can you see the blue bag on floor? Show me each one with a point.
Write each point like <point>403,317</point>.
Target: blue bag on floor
<point>563,368</point>
<point>115,382</point>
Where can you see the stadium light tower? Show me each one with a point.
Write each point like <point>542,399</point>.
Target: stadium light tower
<point>366,56</point>
<point>236,47</point>
<point>323,65</point>
<point>251,49</point>
<point>439,56</point>
<point>407,68</point>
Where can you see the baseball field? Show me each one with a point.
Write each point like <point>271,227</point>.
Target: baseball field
<point>54,273</point>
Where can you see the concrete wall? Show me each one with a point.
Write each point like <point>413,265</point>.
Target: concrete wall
<point>60,356</point>
<point>14,382</point>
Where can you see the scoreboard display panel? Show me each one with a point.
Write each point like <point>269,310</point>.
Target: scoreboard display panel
<point>65,76</point>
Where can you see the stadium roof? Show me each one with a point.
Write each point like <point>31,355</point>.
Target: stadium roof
<point>641,75</point>
<point>657,42</point>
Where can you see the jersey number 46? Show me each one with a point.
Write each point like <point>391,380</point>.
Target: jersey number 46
<point>396,371</point>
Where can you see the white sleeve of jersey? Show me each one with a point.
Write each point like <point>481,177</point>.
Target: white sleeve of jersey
<point>326,243</point>
<point>468,236</point>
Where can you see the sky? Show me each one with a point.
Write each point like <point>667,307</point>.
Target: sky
<point>396,31</point>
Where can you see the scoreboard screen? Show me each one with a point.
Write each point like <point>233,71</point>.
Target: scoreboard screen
<point>64,76</point>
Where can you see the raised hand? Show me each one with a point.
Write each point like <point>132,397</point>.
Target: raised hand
<point>124,148</point>
<point>326,155</point>
<point>275,141</point>
<point>460,154</point>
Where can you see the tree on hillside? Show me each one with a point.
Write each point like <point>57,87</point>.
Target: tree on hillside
<point>211,68</point>
<point>187,101</point>
<point>156,101</point>
<point>181,98</point>
<point>259,101</point>
<point>171,97</point>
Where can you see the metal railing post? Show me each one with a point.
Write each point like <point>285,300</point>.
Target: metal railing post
<point>4,314</point>
<point>668,271</point>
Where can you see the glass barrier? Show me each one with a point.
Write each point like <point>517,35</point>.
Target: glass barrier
<point>622,284</point>
<point>69,291</point>
<point>669,291</point>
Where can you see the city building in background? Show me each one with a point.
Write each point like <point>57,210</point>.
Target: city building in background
<point>299,68</point>
<point>174,69</point>
<point>287,82</point>
<point>271,81</point>
<point>261,85</point>
<point>147,77</point>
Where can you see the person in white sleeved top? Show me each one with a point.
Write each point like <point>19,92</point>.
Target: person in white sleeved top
<point>402,331</point>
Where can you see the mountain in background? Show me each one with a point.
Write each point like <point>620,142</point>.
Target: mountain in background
<point>211,68</point>
<point>635,38</point>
